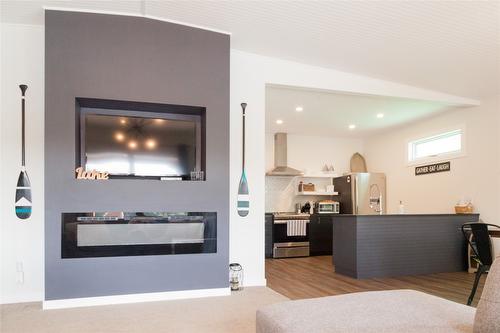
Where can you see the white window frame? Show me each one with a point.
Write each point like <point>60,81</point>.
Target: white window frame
<point>438,157</point>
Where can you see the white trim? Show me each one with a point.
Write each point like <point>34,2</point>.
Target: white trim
<point>152,17</point>
<point>255,283</point>
<point>134,298</point>
<point>442,156</point>
<point>436,159</point>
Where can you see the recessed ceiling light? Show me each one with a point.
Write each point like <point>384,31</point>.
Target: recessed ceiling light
<point>352,126</point>
<point>299,109</point>
<point>123,121</point>
<point>279,121</point>
<point>380,115</point>
<point>132,144</point>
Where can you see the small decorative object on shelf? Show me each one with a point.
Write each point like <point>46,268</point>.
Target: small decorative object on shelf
<point>467,209</point>
<point>236,276</point>
<point>306,187</point>
<point>197,175</point>
<point>401,207</point>
<point>328,169</point>
<point>301,186</point>
<point>464,206</point>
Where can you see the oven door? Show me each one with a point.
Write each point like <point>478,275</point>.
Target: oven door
<point>280,235</point>
<point>285,246</point>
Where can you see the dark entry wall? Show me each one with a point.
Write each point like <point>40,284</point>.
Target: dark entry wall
<point>132,59</point>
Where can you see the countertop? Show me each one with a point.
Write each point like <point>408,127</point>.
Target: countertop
<point>401,215</point>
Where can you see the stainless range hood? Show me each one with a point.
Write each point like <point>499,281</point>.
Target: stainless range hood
<point>281,167</point>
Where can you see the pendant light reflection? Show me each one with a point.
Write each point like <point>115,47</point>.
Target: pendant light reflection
<point>151,144</point>
<point>119,137</point>
<point>132,144</point>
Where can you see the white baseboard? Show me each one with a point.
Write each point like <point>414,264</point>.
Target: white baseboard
<point>134,298</point>
<point>255,283</point>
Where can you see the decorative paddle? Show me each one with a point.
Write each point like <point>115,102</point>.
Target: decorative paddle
<point>243,200</point>
<point>23,188</point>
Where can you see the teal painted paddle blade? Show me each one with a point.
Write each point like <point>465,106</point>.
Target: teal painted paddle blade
<point>243,199</point>
<point>23,196</point>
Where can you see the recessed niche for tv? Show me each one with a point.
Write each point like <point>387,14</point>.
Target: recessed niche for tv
<point>140,140</point>
<point>112,234</point>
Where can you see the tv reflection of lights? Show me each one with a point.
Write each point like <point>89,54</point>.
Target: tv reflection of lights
<point>132,144</point>
<point>119,136</point>
<point>151,144</point>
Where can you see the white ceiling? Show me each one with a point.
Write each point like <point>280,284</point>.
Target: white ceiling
<point>330,113</point>
<point>448,46</point>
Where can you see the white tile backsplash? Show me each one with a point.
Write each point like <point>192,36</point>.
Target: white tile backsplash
<point>281,193</point>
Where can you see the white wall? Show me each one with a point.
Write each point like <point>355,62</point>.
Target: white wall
<point>309,154</point>
<point>475,175</point>
<point>22,61</point>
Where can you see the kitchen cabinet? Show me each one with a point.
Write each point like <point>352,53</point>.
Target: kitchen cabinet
<point>321,234</point>
<point>268,229</point>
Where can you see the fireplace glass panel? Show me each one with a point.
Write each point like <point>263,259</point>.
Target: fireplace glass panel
<point>130,234</point>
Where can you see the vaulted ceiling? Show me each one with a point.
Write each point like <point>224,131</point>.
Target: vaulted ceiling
<point>448,46</point>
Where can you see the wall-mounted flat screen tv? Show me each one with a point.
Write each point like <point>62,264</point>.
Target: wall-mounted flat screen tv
<point>140,144</point>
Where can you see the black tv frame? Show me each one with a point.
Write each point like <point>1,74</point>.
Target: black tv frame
<point>85,106</point>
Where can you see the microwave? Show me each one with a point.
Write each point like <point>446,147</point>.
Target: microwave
<point>328,207</point>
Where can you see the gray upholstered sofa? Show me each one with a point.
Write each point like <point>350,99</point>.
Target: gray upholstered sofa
<point>394,311</point>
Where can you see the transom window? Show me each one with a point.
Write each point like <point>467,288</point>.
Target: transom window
<point>433,147</point>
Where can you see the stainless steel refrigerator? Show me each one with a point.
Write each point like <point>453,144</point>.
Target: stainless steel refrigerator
<point>361,193</point>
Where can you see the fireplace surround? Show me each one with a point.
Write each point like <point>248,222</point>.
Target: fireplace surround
<point>88,56</point>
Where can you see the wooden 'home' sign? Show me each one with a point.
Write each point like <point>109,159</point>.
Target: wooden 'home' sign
<point>91,175</point>
<point>432,168</point>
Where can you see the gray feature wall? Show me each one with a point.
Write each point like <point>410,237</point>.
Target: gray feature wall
<point>133,59</point>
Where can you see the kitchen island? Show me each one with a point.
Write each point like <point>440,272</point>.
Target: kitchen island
<point>368,246</point>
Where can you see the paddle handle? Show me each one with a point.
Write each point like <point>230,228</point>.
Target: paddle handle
<point>243,107</point>
<point>23,88</point>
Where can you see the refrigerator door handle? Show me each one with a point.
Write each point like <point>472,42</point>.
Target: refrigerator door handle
<point>356,199</point>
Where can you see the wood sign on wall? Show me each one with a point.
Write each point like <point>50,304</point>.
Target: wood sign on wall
<point>91,175</point>
<point>432,168</point>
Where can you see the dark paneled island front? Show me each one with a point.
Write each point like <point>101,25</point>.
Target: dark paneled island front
<point>368,246</point>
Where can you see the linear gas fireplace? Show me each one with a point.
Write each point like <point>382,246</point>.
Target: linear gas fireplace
<point>109,234</point>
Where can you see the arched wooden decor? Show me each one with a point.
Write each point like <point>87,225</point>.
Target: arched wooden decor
<point>358,163</point>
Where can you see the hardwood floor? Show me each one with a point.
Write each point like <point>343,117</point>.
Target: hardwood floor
<point>309,277</point>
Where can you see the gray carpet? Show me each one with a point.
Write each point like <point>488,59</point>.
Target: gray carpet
<point>235,313</point>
